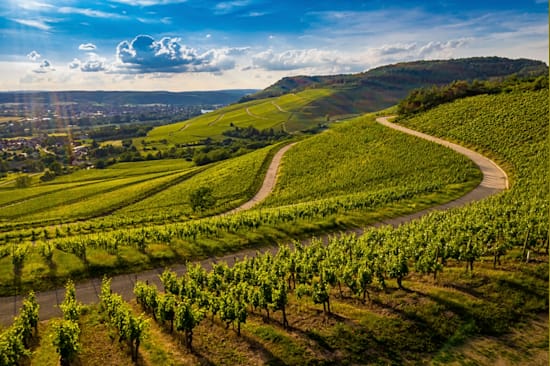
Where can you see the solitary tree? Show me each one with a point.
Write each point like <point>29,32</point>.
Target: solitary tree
<point>23,181</point>
<point>201,199</point>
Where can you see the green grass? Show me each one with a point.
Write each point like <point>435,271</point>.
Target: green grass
<point>261,114</point>
<point>98,204</point>
<point>125,170</point>
<point>55,204</point>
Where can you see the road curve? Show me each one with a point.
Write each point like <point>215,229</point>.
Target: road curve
<point>494,181</point>
<point>270,180</point>
<point>493,175</point>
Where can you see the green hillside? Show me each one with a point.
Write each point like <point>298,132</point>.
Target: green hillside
<point>384,86</point>
<point>289,112</point>
<point>300,103</point>
<point>463,286</point>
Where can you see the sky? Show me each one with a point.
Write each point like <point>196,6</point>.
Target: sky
<point>184,45</point>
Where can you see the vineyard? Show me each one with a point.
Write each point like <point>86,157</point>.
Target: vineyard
<point>367,161</point>
<point>137,190</point>
<point>362,156</point>
<point>467,285</point>
<point>288,112</point>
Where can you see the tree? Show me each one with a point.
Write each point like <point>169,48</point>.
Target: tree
<point>47,176</point>
<point>201,199</point>
<point>23,181</point>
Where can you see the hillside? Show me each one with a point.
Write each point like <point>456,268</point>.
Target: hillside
<point>384,86</point>
<point>462,286</point>
<point>289,113</point>
<point>303,103</point>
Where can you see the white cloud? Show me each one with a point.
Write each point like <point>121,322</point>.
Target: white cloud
<point>93,63</point>
<point>254,14</point>
<point>168,55</point>
<point>149,2</point>
<point>321,61</point>
<point>75,64</point>
<point>44,67</point>
<point>93,66</point>
<point>34,56</point>
<point>33,23</point>
<point>87,47</point>
<point>228,6</point>
<point>295,59</point>
<point>411,51</point>
<point>33,5</point>
<point>89,12</point>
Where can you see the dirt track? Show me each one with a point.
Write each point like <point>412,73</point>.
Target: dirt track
<point>494,181</point>
<point>269,181</point>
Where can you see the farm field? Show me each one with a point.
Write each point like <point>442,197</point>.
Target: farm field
<point>139,190</point>
<point>288,112</point>
<point>362,156</point>
<point>426,322</point>
<point>453,287</point>
<point>123,240</point>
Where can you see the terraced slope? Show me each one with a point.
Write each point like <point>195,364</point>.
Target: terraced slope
<point>288,112</point>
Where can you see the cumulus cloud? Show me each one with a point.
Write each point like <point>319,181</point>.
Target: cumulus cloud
<point>87,47</point>
<point>94,63</point>
<point>413,51</point>
<point>440,49</point>
<point>44,67</point>
<point>295,59</point>
<point>322,61</point>
<point>34,56</point>
<point>146,55</point>
<point>75,64</point>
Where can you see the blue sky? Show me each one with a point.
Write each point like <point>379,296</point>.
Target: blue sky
<point>208,45</point>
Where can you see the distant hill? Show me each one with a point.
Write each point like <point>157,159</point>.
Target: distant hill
<point>384,86</point>
<point>125,97</point>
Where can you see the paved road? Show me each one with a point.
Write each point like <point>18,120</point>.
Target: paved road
<point>494,181</point>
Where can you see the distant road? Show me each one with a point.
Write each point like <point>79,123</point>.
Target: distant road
<point>494,181</point>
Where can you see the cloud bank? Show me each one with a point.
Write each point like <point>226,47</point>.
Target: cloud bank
<point>168,55</point>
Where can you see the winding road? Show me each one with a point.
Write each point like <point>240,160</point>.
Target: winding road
<point>268,184</point>
<point>494,180</point>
